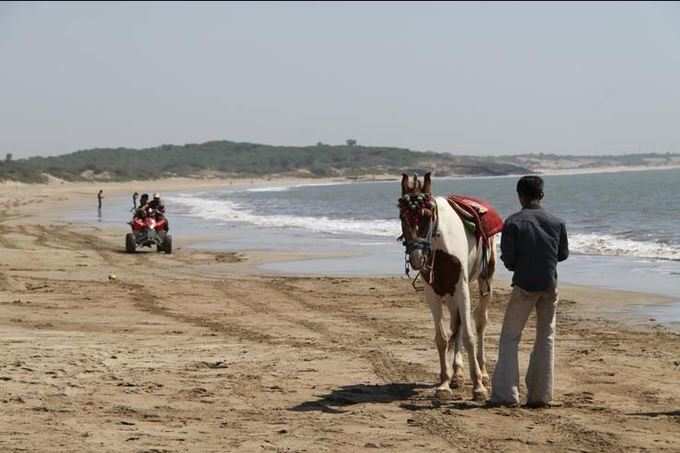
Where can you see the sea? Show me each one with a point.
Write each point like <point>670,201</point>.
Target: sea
<point>624,228</point>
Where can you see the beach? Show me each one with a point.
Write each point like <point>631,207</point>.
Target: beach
<point>203,351</point>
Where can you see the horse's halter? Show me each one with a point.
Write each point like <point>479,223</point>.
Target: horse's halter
<point>418,213</point>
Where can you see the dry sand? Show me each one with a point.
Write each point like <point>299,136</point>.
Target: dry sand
<point>608,169</point>
<point>196,352</point>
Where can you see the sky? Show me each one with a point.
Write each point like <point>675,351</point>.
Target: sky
<point>466,78</point>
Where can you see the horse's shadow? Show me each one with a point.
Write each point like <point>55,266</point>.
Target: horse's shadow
<point>407,393</point>
<point>656,414</point>
<point>348,395</point>
<point>454,404</point>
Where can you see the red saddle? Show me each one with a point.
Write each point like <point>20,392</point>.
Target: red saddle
<point>486,219</point>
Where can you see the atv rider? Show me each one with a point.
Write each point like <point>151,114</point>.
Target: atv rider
<point>143,200</point>
<point>158,208</point>
<point>143,206</point>
<point>156,204</point>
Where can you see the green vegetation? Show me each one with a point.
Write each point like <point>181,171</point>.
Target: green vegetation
<point>223,158</point>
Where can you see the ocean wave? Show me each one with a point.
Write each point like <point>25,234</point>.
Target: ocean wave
<point>296,186</point>
<point>225,210</point>
<point>270,189</point>
<point>579,243</point>
<point>609,245</point>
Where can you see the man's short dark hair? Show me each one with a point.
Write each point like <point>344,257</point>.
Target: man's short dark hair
<point>530,187</point>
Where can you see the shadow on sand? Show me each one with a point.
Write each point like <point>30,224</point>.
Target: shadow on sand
<point>406,393</point>
<point>459,405</point>
<point>348,395</point>
<point>656,414</point>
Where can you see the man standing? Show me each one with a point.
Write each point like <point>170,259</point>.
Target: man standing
<point>134,201</point>
<point>532,244</point>
<point>100,195</point>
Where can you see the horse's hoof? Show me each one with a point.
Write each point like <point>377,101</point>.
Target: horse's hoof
<point>443,394</point>
<point>480,395</point>
<point>457,382</point>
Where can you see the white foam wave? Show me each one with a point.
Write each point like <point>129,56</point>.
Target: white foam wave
<point>579,243</point>
<point>269,189</point>
<point>295,186</point>
<point>608,245</point>
<point>225,210</point>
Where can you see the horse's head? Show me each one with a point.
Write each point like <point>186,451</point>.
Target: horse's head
<point>417,211</point>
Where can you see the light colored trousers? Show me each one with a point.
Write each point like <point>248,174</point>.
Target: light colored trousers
<point>539,377</point>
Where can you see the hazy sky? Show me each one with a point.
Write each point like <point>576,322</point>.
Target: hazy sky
<point>479,78</point>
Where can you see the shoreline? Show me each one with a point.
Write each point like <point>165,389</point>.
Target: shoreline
<point>267,262</point>
<point>610,302</point>
<point>618,305</point>
<point>68,196</point>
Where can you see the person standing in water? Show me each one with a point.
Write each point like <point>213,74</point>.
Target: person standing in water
<point>100,195</point>
<point>134,200</point>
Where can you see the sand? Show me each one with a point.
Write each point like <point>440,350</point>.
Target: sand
<point>608,169</point>
<point>199,352</point>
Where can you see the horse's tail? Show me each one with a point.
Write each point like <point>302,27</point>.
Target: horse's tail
<point>488,262</point>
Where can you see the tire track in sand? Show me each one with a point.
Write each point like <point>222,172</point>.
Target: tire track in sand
<point>442,421</point>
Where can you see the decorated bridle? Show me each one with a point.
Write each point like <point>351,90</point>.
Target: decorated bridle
<point>416,209</point>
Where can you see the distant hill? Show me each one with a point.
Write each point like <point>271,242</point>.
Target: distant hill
<point>224,158</point>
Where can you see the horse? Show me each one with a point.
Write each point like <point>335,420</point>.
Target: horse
<point>449,256</point>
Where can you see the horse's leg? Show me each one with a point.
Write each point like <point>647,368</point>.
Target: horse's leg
<point>481,319</point>
<point>456,335</point>
<point>463,298</point>
<point>441,339</point>
<point>482,311</point>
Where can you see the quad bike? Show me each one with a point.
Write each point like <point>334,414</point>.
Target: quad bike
<point>148,229</point>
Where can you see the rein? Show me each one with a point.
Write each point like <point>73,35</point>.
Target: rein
<point>413,207</point>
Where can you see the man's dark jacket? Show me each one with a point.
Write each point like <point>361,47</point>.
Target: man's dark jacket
<point>532,244</point>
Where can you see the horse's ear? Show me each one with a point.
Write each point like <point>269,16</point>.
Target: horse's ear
<point>427,185</point>
<point>404,183</point>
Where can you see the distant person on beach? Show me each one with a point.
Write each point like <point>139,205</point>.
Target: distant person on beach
<point>532,244</point>
<point>100,195</point>
<point>134,200</point>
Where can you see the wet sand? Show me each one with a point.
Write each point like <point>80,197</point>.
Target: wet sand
<point>199,352</point>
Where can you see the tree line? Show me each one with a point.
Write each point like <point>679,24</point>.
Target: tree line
<point>225,158</point>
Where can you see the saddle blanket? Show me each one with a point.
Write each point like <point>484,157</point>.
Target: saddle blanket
<point>486,219</point>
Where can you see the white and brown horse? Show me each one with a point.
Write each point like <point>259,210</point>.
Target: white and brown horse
<point>449,257</point>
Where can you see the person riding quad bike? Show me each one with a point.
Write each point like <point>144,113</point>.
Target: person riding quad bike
<point>143,202</point>
<point>156,203</point>
<point>158,209</point>
<point>149,226</point>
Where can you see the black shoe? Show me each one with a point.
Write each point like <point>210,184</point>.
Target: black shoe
<point>492,404</point>
<point>538,405</point>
